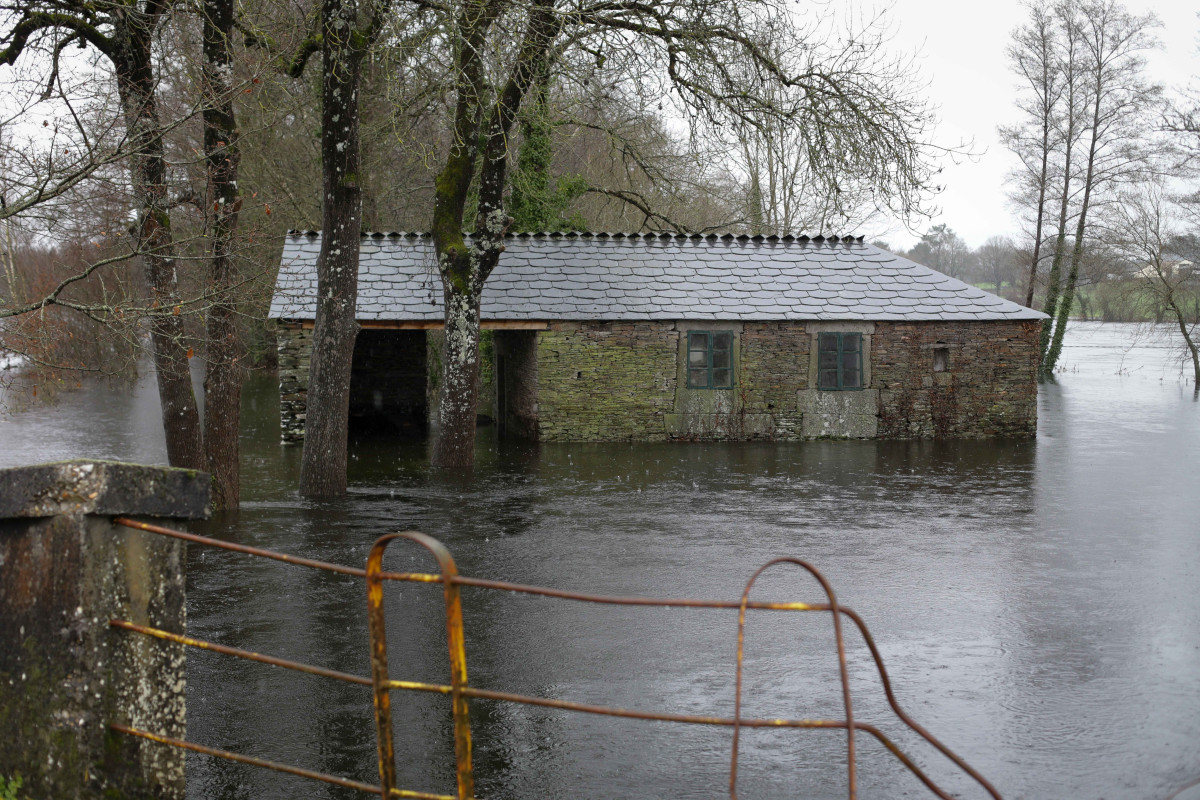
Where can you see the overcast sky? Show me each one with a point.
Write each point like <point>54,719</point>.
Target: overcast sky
<point>962,48</point>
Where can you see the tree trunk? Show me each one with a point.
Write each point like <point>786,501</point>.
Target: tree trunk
<point>465,267</point>
<point>136,83</point>
<point>323,464</point>
<point>1054,279</point>
<point>1041,213</point>
<point>460,379</point>
<point>223,375</point>
<point>1068,298</point>
<point>1044,87</point>
<point>1192,346</point>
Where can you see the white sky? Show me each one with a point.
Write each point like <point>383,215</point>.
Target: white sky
<point>962,47</point>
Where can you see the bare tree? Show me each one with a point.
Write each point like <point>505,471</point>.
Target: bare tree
<point>1113,42</point>
<point>1035,56</point>
<point>1144,231</point>
<point>1070,128</point>
<point>800,177</point>
<point>996,259</point>
<point>944,250</point>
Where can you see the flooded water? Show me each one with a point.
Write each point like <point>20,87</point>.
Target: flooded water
<point>1036,602</point>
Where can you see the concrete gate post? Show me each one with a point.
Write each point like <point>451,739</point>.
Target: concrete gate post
<point>65,674</point>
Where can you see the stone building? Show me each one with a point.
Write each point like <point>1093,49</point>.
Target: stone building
<point>615,337</point>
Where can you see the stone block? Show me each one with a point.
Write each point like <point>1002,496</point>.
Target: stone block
<point>65,674</point>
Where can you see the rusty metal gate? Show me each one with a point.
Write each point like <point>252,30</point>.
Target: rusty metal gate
<point>461,692</point>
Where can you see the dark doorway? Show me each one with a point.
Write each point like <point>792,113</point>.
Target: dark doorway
<point>387,384</point>
<point>501,393</point>
<point>516,383</point>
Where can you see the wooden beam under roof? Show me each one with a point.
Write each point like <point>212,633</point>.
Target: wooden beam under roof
<point>434,325</point>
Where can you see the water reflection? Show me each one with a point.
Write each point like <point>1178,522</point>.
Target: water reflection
<point>1035,600</point>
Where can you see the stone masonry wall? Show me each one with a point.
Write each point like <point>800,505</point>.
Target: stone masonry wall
<point>619,382</point>
<point>606,381</point>
<point>988,389</point>
<point>294,346</point>
<point>772,373</point>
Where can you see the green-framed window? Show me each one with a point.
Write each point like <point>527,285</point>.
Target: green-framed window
<point>710,359</point>
<point>839,361</point>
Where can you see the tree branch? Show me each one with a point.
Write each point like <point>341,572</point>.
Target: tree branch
<point>35,21</point>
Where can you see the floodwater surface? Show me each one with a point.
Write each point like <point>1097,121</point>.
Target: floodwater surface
<point>1036,601</point>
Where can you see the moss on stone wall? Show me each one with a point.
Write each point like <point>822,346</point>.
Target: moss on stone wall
<point>606,381</point>
<point>773,372</point>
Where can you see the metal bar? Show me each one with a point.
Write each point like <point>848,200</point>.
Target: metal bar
<point>456,643</point>
<point>464,773</point>
<point>842,671</point>
<point>260,762</point>
<point>240,548</point>
<point>385,747</point>
<point>233,651</point>
<point>905,760</point>
<point>650,716</point>
<point>899,712</point>
<point>566,705</point>
<point>617,600</point>
<point>413,577</point>
<point>462,580</point>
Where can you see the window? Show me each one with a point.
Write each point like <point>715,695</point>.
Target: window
<point>839,361</point>
<point>941,357</point>
<point>710,359</point>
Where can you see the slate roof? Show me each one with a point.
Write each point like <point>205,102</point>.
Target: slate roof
<point>601,276</point>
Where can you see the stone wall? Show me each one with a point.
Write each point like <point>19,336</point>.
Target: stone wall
<point>624,381</point>
<point>603,382</point>
<point>988,388</point>
<point>66,674</point>
<point>771,374</point>
<point>294,346</point>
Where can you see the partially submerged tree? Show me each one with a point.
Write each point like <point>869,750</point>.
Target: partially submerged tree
<point>1120,97</point>
<point>223,375</point>
<point>348,27</point>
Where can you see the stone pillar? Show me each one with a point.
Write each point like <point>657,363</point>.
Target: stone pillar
<point>65,674</point>
<point>294,345</point>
